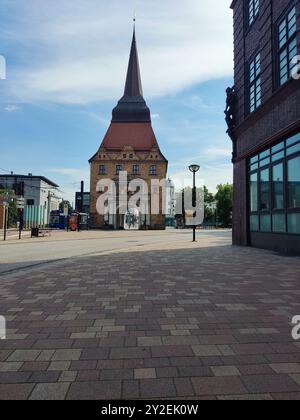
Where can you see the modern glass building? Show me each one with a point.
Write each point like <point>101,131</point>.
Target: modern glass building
<point>264,124</point>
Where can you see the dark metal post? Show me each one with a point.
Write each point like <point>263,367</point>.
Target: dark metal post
<point>194,169</point>
<point>82,197</point>
<point>21,223</point>
<point>5,221</point>
<point>183,210</point>
<point>194,203</point>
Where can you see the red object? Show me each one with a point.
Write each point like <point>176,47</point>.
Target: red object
<point>140,136</point>
<point>73,223</point>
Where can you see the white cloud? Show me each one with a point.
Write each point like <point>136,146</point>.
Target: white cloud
<point>77,51</point>
<point>11,108</point>
<point>211,176</point>
<point>74,173</point>
<point>69,180</point>
<point>215,153</point>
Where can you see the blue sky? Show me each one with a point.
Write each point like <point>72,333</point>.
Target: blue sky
<point>66,68</point>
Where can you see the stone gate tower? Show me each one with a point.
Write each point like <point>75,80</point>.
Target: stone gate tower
<point>129,145</point>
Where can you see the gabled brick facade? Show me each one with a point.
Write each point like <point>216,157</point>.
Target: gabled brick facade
<point>130,144</point>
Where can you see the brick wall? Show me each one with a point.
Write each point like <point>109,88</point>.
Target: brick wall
<point>259,37</point>
<point>110,160</point>
<point>279,114</point>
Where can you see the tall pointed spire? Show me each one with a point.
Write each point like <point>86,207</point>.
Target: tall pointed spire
<point>132,106</point>
<point>133,85</point>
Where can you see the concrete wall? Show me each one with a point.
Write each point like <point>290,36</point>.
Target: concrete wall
<point>35,190</point>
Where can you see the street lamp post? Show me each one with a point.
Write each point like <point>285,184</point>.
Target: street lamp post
<point>6,206</point>
<point>194,169</point>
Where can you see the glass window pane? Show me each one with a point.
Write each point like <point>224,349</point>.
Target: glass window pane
<point>265,162</point>
<point>254,192</point>
<point>265,190</point>
<point>278,156</point>
<point>278,186</point>
<point>254,223</point>
<point>265,154</point>
<point>279,224</point>
<point>284,79</point>
<point>278,147</point>
<point>265,223</point>
<point>294,223</point>
<point>254,159</point>
<point>292,140</point>
<point>254,167</point>
<point>294,182</point>
<point>293,149</point>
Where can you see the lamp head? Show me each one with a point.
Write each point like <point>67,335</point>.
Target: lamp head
<point>194,168</point>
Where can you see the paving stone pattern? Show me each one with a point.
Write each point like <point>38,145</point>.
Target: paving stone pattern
<point>206,323</point>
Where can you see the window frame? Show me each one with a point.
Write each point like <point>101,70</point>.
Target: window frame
<point>255,166</point>
<point>153,170</point>
<point>251,18</point>
<point>285,46</point>
<point>254,83</point>
<point>136,169</point>
<point>290,209</point>
<point>119,168</point>
<point>102,169</point>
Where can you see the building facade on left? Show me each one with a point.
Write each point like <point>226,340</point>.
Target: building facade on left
<point>37,191</point>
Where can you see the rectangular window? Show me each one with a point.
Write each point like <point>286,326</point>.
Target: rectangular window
<point>265,223</point>
<point>254,84</point>
<point>136,169</point>
<point>102,170</point>
<point>30,202</point>
<point>254,192</point>
<point>254,223</point>
<point>274,188</point>
<point>279,225</point>
<point>278,187</point>
<point>119,168</point>
<point>293,149</point>
<point>287,46</point>
<point>294,223</point>
<point>253,10</point>
<point>294,182</point>
<point>265,190</point>
<point>153,170</point>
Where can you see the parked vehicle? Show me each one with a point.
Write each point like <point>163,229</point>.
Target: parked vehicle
<point>58,220</point>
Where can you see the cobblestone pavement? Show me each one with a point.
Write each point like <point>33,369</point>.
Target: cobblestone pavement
<point>192,323</point>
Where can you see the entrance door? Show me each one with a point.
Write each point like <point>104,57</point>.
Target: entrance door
<point>132,220</point>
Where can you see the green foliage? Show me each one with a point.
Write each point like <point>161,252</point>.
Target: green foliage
<point>223,202</point>
<point>8,196</point>
<point>13,214</point>
<point>62,206</point>
<point>224,198</point>
<point>4,193</point>
<point>209,213</point>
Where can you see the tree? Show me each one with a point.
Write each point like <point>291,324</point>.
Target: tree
<point>224,198</point>
<point>209,214</point>
<point>63,204</point>
<point>13,214</point>
<point>8,196</point>
<point>184,204</point>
